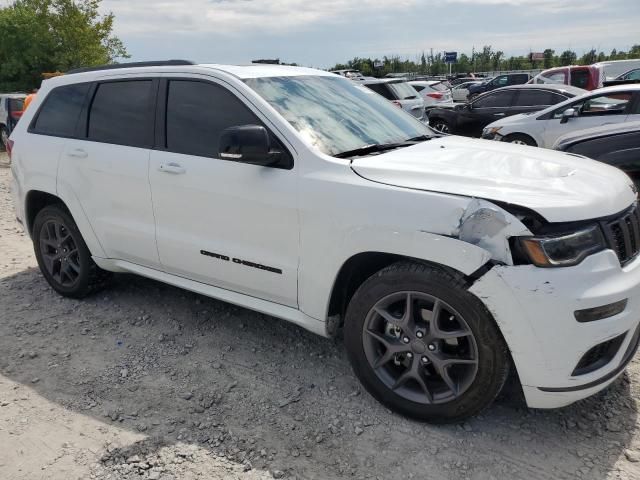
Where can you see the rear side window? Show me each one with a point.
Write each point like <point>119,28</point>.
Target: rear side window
<point>580,78</point>
<point>16,104</point>
<point>419,88</point>
<point>59,113</point>
<point>382,89</point>
<point>121,113</point>
<point>533,98</point>
<point>198,112</point>
<point>495,100</point>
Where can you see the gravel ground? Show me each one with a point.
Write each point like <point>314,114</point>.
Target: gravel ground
<point>148,381</point>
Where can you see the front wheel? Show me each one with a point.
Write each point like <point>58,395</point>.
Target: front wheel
<point>422,345</point>
<point>520,139</point>
<point>63,256</point>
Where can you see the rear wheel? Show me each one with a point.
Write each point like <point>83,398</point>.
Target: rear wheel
<point>4,138</point>
<point>520,139</point>
<point>423,345</point>
<point>63,256</point>
<point>441,126</point>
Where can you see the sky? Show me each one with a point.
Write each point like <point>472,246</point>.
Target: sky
<point>321,33</point>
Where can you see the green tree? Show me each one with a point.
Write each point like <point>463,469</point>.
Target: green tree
<point>549,56</point>
<point>39,36</point>
<point>568,57</point>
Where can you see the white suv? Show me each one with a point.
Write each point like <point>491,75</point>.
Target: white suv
<point>297,193</point>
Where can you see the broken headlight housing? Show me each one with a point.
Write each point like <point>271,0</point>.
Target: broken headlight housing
<point>563,250</point>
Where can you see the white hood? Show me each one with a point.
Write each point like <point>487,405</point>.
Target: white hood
<point>559,186</point>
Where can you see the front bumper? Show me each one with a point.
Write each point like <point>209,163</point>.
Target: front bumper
<point>491,136</point>
<point>534,309</point>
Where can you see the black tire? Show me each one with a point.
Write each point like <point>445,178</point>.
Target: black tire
<point>441,126</point>
<point>88,278</point>
<point>493,360</point>
<point>520,139</point>
<point>4,136</point>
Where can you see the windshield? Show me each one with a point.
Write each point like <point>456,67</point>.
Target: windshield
<point>337,115</point>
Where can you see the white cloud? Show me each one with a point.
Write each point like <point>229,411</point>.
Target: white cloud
<point>236,17</point>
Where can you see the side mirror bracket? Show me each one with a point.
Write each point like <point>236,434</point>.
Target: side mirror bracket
<point>567,114</point>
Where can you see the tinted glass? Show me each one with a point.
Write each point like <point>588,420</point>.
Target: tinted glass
<point>60,111</point>
<point>495,100</point>
<point>632,75</point>
<point>440,87</point>
<point>518,79</point>
<point>500,81</point>
<point>533,98</point>
<point>615,103</point>
<point>381,89</point>
<point>16,104</point>
<point>418,87</point>
<point>580,78</point>
<point>120,113</point>
<point>403,91</point>
<point>334,114</point>
<point>198,112</point>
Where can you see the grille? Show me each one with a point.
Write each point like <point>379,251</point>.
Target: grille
<point>623,234</point>
<point>598,356</point>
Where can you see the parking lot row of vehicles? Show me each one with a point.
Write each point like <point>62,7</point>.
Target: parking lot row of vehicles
<point>11,106</point>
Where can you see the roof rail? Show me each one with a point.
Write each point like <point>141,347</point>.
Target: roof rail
<point>157,63</point>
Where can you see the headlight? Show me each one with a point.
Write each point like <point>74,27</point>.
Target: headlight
<point>492,130</point>
<point>565,250</point>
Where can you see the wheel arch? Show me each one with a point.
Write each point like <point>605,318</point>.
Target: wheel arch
<point>359,267</point>
<point>36,200</point>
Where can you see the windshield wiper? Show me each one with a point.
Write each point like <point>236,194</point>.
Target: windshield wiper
<point>381,147</point>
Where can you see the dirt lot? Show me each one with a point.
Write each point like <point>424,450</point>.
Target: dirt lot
<point>148,381</point>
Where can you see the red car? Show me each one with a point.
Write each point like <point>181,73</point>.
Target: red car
<point>586,77</point>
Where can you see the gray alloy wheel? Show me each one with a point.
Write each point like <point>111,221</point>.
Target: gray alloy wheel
<point>59,253</point>
<point>517,141</point>
<point>442,127</point>
<point>420,347</point>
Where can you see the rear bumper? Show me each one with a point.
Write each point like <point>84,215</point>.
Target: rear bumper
<point>534,309</point>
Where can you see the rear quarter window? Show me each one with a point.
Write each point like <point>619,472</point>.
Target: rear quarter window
<point>59,113</point>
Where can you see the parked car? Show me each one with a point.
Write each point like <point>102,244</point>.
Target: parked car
<point>500,81</point>
<point>632,76</point>
<point>589,77</point>
<point>585,77</point>
<point>349,73</point>
<point>446,261</point>
<point>460,92</point>
<point>470,118</point>
<point>11,106</point>
<point>400,93</point>
<point>433,92</point>
<point>617,144</point>
<point>601,107</point>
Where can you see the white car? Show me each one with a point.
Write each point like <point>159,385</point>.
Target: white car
<point>446,261</point>
<point>460,93</point>
<point>432,92</point>
<point>399,92</point>
<point>600,107</point>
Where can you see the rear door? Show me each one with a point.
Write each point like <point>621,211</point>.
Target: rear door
<point>533,99</point>
<point>593,111</point>
<point>486,109</point>
<point>107,166</point>
<point>221,222</point>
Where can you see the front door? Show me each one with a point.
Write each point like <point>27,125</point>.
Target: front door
<point>221,222</point>
<point>487,109</point>
<point>594,111</point>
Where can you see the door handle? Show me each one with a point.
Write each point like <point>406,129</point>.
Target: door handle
<point>78,153</point>
<point>172,167</point>
<point>499,114</point>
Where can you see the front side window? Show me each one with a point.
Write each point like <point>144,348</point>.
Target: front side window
<point>334,114</point>
<point>632,75</point>
<point>615,103</point>
<point>198,112</point>
<point>60,111</point>
<point>501,81</point>
<point>120,113</point>
<point>495,100</point>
